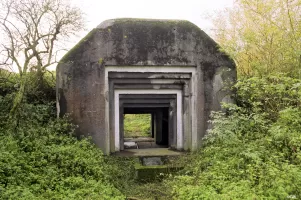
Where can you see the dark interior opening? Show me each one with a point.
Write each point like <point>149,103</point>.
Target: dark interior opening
<point>165,128</point>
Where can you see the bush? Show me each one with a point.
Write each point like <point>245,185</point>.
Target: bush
<point>253,150</point>
<point>41,159</point>
<point>8,82</point>
<point>39,90</point>
<point>268,95</point>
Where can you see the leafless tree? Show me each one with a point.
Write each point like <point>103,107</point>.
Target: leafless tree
<point>32,31</point>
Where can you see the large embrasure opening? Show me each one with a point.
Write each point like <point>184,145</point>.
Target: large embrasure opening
<point>146,127</point>
<point>147,120</point>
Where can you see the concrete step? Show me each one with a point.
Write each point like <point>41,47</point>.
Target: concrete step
<point>140,139</point>
<point>149,152</point>
<point>154,168</point>
<point>154,163</point>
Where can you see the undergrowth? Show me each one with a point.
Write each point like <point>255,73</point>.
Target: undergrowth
<point>40,158</point>
<point>254,148</point>
<point>252,152</point>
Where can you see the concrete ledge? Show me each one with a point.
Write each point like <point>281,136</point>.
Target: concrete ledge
<point>149,152</point>
<point>155,172</point>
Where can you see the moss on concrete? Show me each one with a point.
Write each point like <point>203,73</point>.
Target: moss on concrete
<point>182,24</point>
<point>100,61</point>
<point>67,57</point>
<point>155,172</point>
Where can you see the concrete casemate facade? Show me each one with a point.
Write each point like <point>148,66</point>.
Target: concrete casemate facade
<point>168,68</point>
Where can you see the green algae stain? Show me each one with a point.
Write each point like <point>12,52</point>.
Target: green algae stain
<point>68,56</point>
<point>100,61</point>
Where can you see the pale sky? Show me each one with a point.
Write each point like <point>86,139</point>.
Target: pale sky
<point>193,10</point>
<point>97,11</point>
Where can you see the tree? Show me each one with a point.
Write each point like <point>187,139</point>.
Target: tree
<point>263,36</point>
<point>33,31</point>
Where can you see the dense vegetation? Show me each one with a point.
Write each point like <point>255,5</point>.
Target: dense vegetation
<point>41,159</point>
<point>253,150</point>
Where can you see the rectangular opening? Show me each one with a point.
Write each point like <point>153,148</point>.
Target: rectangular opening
<point>164,107</point>
<point>137,125</point>
<point>144,131</point>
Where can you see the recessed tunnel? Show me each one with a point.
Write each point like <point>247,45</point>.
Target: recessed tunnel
<point>163,118</point>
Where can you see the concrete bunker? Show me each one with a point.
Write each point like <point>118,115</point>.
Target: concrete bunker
<point>168,68</point>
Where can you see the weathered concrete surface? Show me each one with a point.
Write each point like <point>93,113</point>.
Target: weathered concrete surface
<point>150,161</point>
<point>149,152</point>
<point>81,90</point>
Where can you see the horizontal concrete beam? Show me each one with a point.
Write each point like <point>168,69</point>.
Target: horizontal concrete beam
<point>148,96</point>
<point>139,111</point>
<point>149,75</point>
<point>145,101</point>
<point>149,81</point>
<point>146,105</point>
<point>147,86</point>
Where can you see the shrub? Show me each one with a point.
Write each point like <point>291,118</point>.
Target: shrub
<point>268,95</point>
<point>253,150</point>
<point>41,159</point>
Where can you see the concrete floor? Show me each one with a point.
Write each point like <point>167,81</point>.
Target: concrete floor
<point>149,152</point>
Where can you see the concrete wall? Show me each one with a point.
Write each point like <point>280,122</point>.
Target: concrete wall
<point>83,90</point>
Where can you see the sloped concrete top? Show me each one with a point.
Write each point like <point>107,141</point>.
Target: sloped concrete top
<point>141,42</point>
<point>138,21</point>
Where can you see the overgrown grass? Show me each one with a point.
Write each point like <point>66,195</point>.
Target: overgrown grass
<point>137,125</point>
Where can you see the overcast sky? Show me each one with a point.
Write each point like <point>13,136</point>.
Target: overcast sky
<point>193,10</point>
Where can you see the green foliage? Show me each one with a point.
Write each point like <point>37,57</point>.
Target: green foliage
<point>268,95</point>
<point>253,150</point>
<point>121,173</point>
<point>136,125</point>
<point>262,36</point>
<point>40,89</point>
<point>41,159</point>
<point>8,81</point>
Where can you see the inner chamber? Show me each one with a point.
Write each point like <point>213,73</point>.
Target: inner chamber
<point>162,111</point>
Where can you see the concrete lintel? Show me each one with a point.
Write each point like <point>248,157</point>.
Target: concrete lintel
<point>149,81</point>
<point>146,105</point>
<point>151,68</point>
<point>147,86</point>
<point>145,101</point>
<point>147,96</point>
<point>149,75</point>
<point>140,110</point>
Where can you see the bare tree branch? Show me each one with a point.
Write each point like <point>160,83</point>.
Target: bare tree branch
<point>31,29</point>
